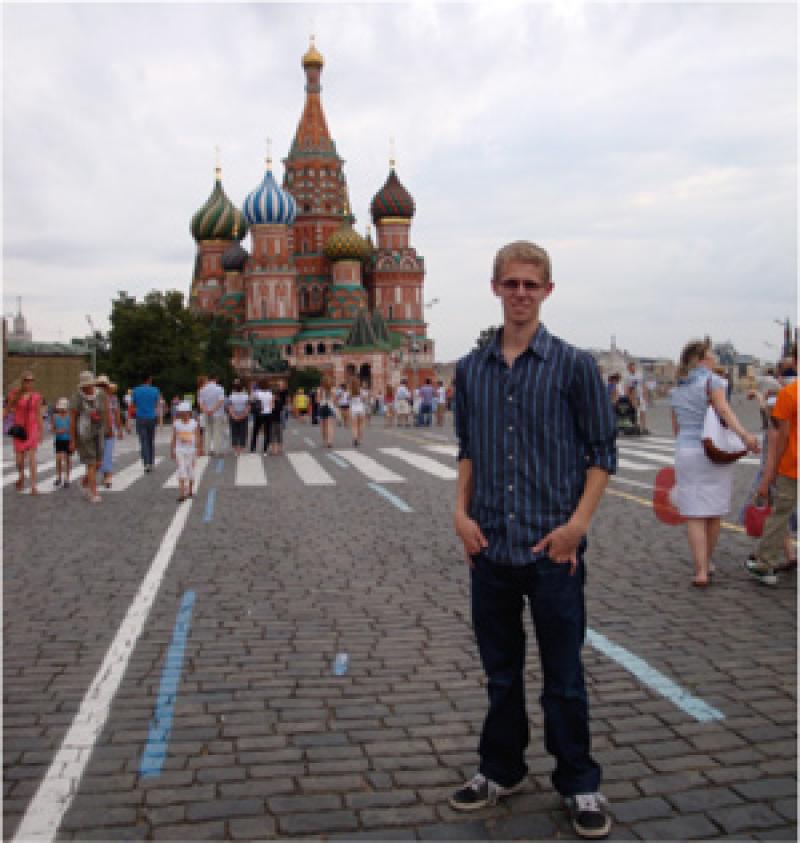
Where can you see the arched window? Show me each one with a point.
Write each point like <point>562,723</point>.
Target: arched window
<point>321,349</point>
<point>309,349</point>
<point>391,311</point>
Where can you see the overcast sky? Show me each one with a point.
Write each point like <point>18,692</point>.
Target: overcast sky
<point>652,149</point>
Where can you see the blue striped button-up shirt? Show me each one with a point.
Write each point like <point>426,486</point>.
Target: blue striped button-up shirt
<point>531,432</point>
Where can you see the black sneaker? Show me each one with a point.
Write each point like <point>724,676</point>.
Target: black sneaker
<point>589,814</point>
<point>479,792</point>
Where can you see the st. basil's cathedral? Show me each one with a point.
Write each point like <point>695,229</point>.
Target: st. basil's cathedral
<point>312,292</point>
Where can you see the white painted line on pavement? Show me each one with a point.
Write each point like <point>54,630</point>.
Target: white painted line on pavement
<point>45,466</point>
<point>634,466</point>
<point>310,442</point>
<point>120,482</point>
<point>250,470</point>
<point>617,479</point>
<point>199,470</point>
<point>370,468</point>
<point>309,470</point>
<point>450,450</point>
<point>46,487</point>
<point>60,784</point>
<point>692,705</point>
<point>423,463</point>
<point>647,455</point>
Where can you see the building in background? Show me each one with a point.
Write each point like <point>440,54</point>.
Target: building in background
<point>312,292</point>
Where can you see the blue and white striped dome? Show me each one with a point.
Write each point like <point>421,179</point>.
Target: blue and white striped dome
<point>268,204</point>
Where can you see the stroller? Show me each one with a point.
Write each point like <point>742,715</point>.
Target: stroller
<point>627,417</point>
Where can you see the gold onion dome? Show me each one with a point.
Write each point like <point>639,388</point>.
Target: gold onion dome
<point>312,56</point>
<point>345,244</point>
<point>219,218</point>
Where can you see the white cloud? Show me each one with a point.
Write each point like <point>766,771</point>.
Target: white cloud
<point>651,148</point>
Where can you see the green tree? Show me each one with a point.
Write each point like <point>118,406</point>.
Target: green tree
<point>309,379</point>
<point>486,336</point>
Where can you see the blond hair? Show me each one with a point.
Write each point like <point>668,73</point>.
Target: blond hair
<point>524,251</point>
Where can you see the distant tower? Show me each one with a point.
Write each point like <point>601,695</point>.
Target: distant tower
<point>19,330</point>
<point>214,226</point>
<point>399,272</point>
<point>315,178</point>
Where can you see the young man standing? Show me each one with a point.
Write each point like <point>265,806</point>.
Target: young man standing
<point>536,439</point>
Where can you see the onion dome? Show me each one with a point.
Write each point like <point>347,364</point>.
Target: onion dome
<point>313,57</point>
<point>268,204</point>
<point>219,218</point>
<point>234,258</point>
<point>392,200</point>
<point>345,244</point>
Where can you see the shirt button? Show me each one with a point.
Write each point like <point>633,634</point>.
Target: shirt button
<point>510,516</point>
<point>510,488</point>
<point>510,398</point>
<point>510,428</point>
<point>510,457</point>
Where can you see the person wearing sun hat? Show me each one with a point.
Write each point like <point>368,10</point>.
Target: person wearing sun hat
<point>60,424</point>
<point>187,440</point>
<point>89,421</point>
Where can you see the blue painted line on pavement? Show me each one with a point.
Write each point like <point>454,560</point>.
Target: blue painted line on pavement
<point>209,513</point>
<point>155,750</point>
<point>692,705</point>
<point>398,502</point>
<point>220,466</point>
<point>338,460</point>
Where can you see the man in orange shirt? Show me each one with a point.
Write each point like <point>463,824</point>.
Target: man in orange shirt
<point>783,463</point>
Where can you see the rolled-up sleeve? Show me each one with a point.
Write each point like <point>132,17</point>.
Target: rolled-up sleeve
<point>594,415</point>
<point>461,414</point>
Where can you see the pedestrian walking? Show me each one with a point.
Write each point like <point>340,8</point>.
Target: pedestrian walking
<point>238,409</point>
<point>111,433</point>
<point>388,406</point>
<point>426,396</point>
<point>441,403</point>
<point>24,408</point>
<point>780,473</point>
<point>280,395</point>
<point>326,399</point>
<point>358,411</point>
<point>61,439</point>
<point>144,400</point>
<point>262,400</point>
<point>636,391</point>
<point>89,424</point>
<point>703,488</point>
<point>130,411</point>
<point>211,399</point>
<point>186,442</point>
<point>402,404</point>
<point>343,405</point>
<point>536,443</point>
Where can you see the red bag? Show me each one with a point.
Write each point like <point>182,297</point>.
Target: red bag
<point>664,509</point>
<point>754,519</point>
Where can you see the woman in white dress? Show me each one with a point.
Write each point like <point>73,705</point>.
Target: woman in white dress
<point>703,488</point>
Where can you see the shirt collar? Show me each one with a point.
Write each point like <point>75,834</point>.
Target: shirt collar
<point>539,345</point>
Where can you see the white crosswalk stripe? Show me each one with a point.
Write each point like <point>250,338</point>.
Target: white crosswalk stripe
<point>127,477</point>
<point>423,463</point>
<point>309,470</point>
<point>450,450</point>
<point>250,470</point>
<point>46,487</point>
<point>40,469</point>
<point>199,470</point>
<point>370,468</point>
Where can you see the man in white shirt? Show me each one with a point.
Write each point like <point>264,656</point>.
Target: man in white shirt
<point>211,399</point>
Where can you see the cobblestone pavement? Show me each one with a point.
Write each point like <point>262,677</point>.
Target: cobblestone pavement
<point>266,742</point>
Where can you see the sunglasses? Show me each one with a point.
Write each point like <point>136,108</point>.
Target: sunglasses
<point>511,285</point>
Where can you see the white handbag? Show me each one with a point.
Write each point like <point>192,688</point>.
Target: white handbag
<point>720,443</point>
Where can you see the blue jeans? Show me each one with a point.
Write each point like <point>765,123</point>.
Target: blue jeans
<point>557,608</point>
<point>146,429</point>
<point>108,456</point>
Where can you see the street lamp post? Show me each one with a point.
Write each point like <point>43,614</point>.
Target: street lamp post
<point>92,345</point>
<point>412,347</point>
